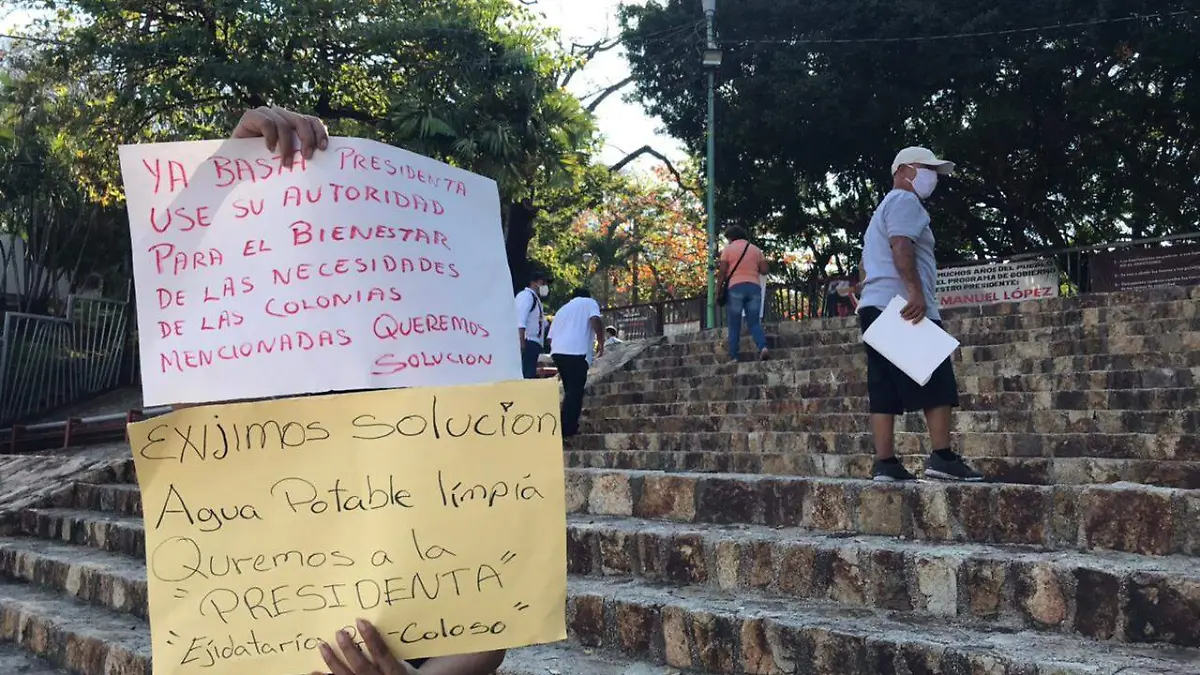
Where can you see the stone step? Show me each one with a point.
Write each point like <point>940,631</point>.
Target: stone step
<point>1122,517</point>
<point>16,661</point>
<point>119,498</point>
<point>1090,310</point>
<point>118,582</point>
<point>110,580</point>
<point>1109,596</point>
<point>739,633</point>
<point>1185,343</point>
<point>1018,470</point>
<point>1170,422</point>
<point>566,658</point>
<point>81,638</point>
<point>817,382</point>
<point>1151,447</point>
<point>792,385</point>
<point>851,397</point>
<point>108,532</point>
<point>1181,319</point>
<point>845,368</point>
<point>1173,330</point>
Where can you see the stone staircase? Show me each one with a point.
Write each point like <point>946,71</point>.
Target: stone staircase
<point>720,521</point>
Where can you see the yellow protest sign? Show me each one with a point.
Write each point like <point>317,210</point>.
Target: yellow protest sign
<point>437,513</point>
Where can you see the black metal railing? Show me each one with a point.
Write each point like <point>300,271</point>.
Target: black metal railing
<point>48,362</point>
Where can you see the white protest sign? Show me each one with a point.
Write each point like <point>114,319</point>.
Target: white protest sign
<point>997,282</point>
<point>365,267</point>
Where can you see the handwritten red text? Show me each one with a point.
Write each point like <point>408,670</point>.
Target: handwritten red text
<point>230,172</point>
<point>388,327</point>
<point>303,233</point>
<point>167,257</point>
<point>344,266</point>
<point>390,364</point>
<point>175,177</point>
<point>349,194</point>
<point>285,308</point>
<point>202,358</point>
<point>353,160</point>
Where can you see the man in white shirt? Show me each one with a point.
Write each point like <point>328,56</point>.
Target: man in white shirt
<point>611,332</point>
<point>899,260</point>
<point>575,331</point>
<point>531,322</point>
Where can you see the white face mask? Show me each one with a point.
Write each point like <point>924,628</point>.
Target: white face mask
<point>543,291</point>
<point>925,182</point>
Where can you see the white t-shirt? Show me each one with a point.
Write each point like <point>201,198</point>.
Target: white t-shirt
<point>571,333</point>
<point>900,214</point>
<point>530,314</point>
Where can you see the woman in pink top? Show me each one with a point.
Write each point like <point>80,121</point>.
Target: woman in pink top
<point>742,265</point>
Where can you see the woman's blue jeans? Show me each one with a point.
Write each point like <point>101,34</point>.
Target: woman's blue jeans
<point>745,298</point>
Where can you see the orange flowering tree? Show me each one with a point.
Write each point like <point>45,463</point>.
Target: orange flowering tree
<point>643,241</point>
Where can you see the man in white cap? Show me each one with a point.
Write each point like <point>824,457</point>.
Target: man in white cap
<point>898,259</point>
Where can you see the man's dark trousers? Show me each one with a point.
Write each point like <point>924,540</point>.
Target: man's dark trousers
<point>573,370</point>
<point>529,359</point>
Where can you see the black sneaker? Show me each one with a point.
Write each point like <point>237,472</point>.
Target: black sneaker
<point>890,472</point>
<point>951,469</point>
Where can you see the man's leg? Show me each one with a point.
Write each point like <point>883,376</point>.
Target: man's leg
<point>573,371</point>
<point>753,305</point>
<point>938,398</point>
<point>733,310</point>
<point>938,421</point>
<point>885,406</point>
<point>529,359</point>
<point>883,432</point>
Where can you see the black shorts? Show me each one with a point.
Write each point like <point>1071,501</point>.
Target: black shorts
<point>894,393</point>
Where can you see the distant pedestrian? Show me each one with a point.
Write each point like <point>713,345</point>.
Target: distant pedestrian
<point>898,260</point>
<point>531,322</point>
<point>574,334</point>
<point>740,271</point>
<point>612,339</point>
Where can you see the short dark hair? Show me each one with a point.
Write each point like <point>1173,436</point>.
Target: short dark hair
<point>582,292</point>
<point>736,232</point>
<point>537,276</point>
<point>611,330</point>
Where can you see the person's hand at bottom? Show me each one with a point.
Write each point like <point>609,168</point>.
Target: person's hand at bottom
<point>354,662</point>
<point>915,310</point>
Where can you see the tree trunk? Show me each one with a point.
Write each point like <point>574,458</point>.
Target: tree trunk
<point>516,244</point>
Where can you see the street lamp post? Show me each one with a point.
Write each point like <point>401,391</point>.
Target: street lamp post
<point>711,60</point>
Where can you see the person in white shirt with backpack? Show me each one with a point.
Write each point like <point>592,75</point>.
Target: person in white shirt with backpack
<point>531,322</point>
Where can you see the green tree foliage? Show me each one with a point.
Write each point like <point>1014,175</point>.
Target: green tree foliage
<point>469,82</point>
<point>1065,136</point>
<point>56,233</point>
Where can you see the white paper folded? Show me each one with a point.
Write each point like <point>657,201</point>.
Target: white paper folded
<point>916,349</point>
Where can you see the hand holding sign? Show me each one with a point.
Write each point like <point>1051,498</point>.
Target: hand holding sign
<point>277,126</point>
<point>382,662</point>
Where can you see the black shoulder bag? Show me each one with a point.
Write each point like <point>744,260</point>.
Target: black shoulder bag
<point>723,293</point>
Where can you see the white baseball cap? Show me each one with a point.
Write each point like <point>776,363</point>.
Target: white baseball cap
<point>924,156</point>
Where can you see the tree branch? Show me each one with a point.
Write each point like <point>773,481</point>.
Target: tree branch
<point>647,150</point>
<point>605,93</point>
<point>585,53</point>
<point>325,111</point>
